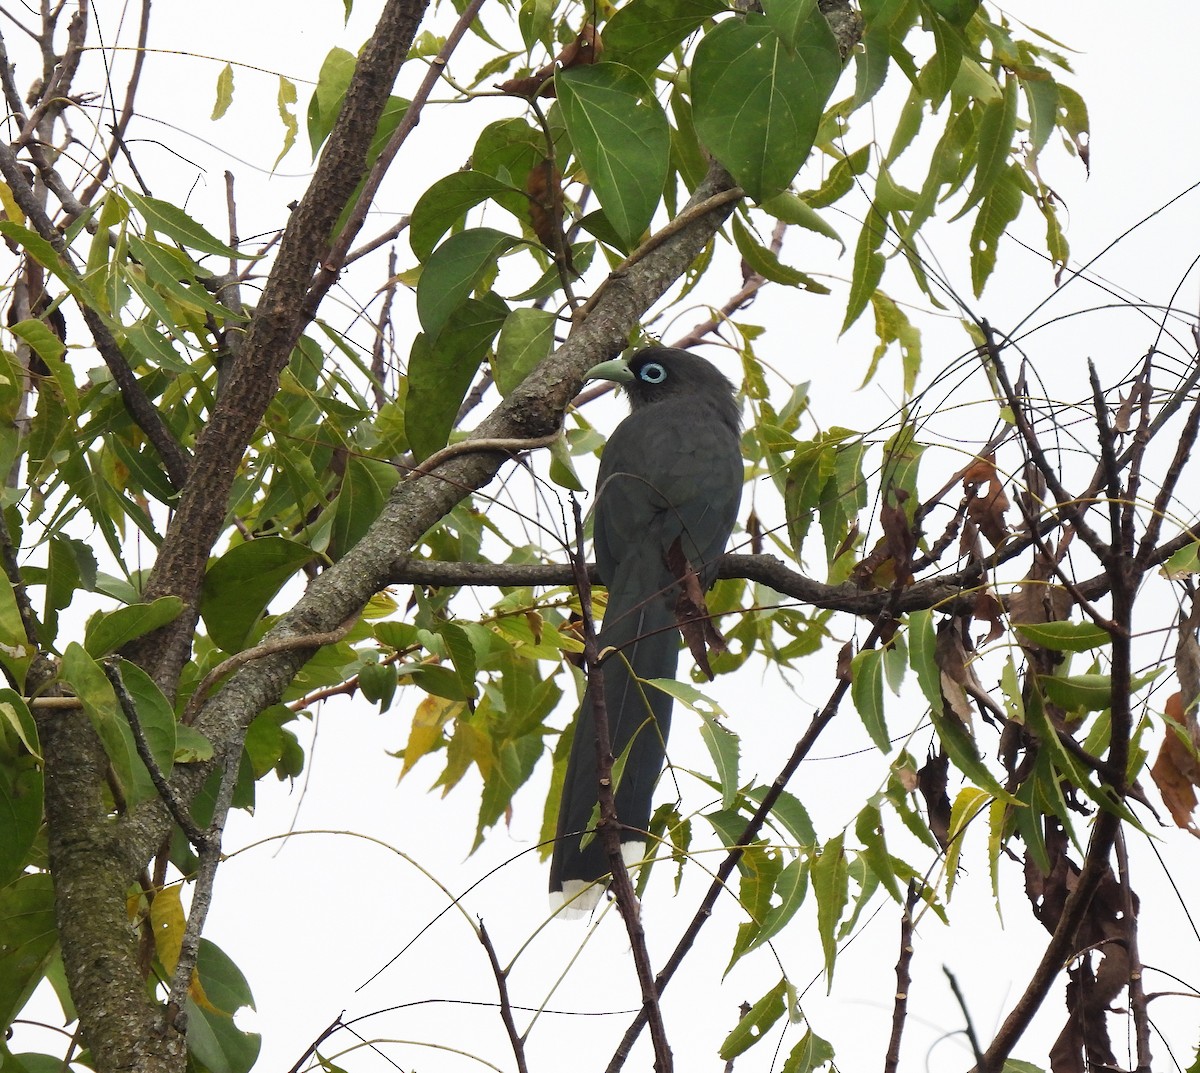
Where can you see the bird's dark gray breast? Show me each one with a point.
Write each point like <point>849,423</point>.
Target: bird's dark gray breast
<point>670,470</point>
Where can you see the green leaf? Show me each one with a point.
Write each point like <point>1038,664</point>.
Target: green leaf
<point>1183,562</point>
<point>172,274</point>
<point>754,1023</point>
<point>687,695</point>
<point>642,33</point>
<point>724,747</point>
<point>445,204</point>
<point>16,652</point>
<point>172,221</point>
<point>365,489</point>
<point>922,644</point>
<point>239,586</point>
<point>792,209</point>
<point>620,135</point>
<point>441,368</point>
<point>214,1040</point>
<point>866,691</point>
<point>757,102</point>
<point>284,99</point>
<point>326,102</point>
<point>868,264</point>
<point>968,803</point>
<point>191,747</point>
<point>996,131</point>
<point>20,795</point>
<point>789,813</point>
<point>224,92</point>
<point>462,655</point>
<point>958,12</point>
<point>453,271</point>
<point>155,714</point>
<point>107,631</point>
<point>809,1055</point>
<point>1001,206</point>
<point>1065,636</point>
<point>28,939</point>
<point>767,264</point>
<point>95,693</point>
<point>831,886</point>
<point>525,339</point>
<point>789,19</point>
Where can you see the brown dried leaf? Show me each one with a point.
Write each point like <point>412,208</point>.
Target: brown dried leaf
<point>958,678</point>
<point>691,612</point>
<point>583,50</point>
<point>1176,769</point>
<point>932,781</point>
<point>986,508</point>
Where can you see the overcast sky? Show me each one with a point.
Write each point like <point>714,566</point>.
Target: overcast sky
<point>310,920</point>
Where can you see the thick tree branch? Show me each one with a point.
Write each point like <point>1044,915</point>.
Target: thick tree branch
<point>278,321</point>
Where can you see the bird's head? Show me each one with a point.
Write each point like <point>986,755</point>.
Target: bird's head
<point>660,373</point>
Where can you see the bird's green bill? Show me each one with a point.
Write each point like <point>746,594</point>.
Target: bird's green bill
<point>616,370</point>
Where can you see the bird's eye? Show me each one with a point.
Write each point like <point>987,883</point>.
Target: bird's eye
<point>652,373</point>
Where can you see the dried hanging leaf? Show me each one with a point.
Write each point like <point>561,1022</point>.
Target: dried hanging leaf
<point>986,508</point>
<point>932,781</point>
<point>958,679</point>
<point>1176,769</point>
<point>583,50</point>
<point>691,612</point>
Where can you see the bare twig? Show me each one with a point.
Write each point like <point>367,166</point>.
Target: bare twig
<point>383,326</point>
<point>608,829</point>
<point>269,647</point>
<point>903,980</point>
<point>474,446</point>
<point>1137,985</point>
<point>122,122</point>
<point>335,259</point>
<point>178,810</point>
<point>506,1012</point>
<point>972,1037</point>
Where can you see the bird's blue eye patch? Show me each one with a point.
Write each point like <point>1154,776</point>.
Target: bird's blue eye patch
<point>652,373</point>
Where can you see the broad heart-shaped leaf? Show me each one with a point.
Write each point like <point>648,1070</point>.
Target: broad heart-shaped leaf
<point>453,270</point>
<point>106,631</point>
<point>214,1039</point>
<point>642,32</point>
<point>621,136</point>
<point>239,585</point>
<point>445,203</point>
<point>525,339</point>
<point>757,103</point>
<point>154,712</point>
<point>28,937</point>
<point>20,807</point>
<point>365,489</point>
<point>441,367</point>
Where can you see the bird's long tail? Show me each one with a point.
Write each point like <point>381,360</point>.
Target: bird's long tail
<point>642,642</point>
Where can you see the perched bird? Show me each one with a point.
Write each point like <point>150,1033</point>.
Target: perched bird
<point>666,499</point>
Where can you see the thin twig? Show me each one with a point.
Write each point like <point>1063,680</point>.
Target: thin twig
<point>972,1038</point>
<point>1137,988</point>
<point>335,259</point>
<point>178,811</point>
<point>1066,503</point>
<point>608,829</point>
<point>506,1012</point>
<point>122,122</point>
<point>903,980</point>
<point>474,446</point>
<point>266,648</point>
<point>382,325</point>
<point>679,223</point>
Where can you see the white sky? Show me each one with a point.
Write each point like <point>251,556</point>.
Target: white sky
<point>310,920</point>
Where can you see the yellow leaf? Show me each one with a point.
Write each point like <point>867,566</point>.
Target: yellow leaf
<point>167,920</point>
<point>12,210</point>
<point>431,715</point>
